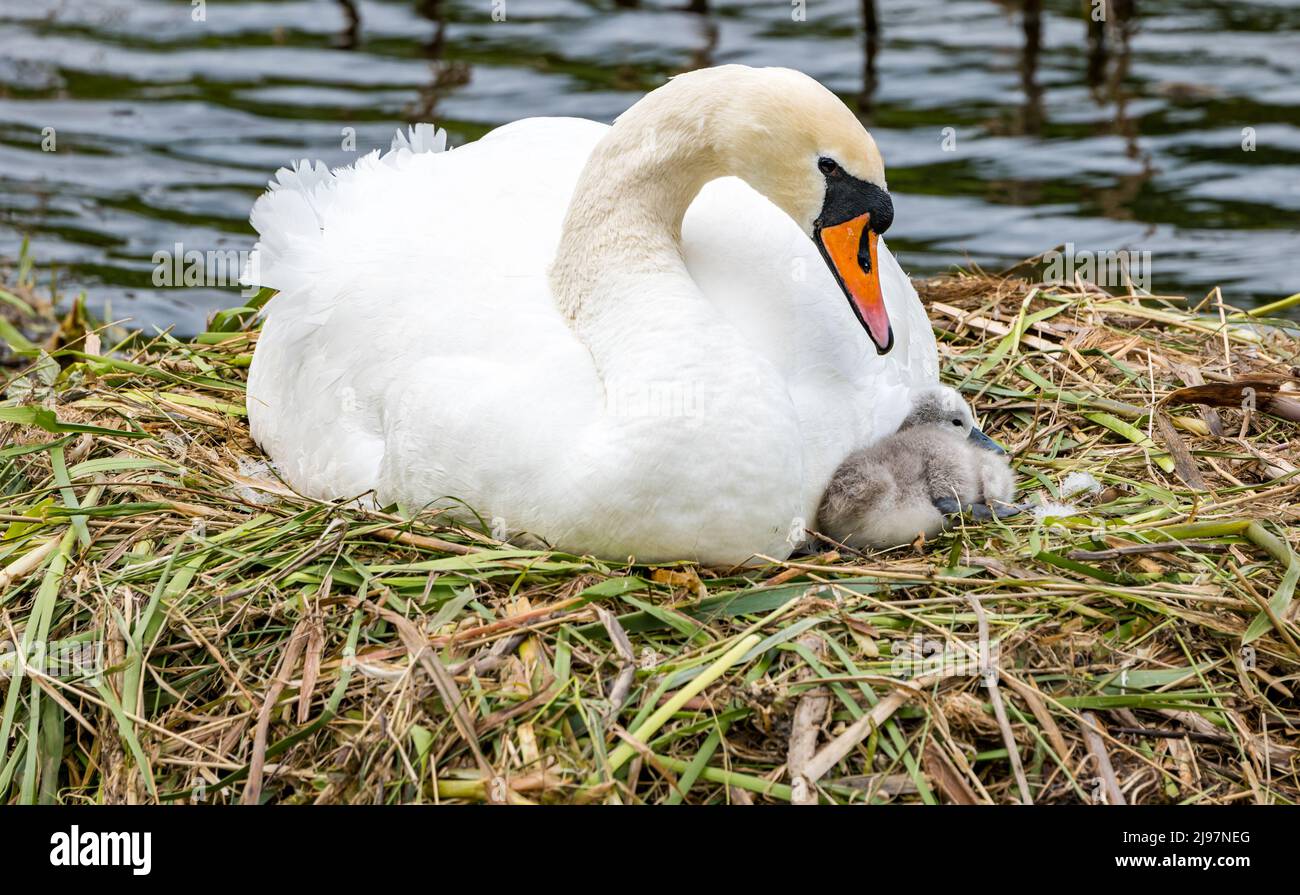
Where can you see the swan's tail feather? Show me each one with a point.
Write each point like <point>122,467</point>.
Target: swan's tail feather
<point>290,217</point>
<point>421,138</point>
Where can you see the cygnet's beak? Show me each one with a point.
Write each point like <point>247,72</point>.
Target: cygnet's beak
<point>983,441</point>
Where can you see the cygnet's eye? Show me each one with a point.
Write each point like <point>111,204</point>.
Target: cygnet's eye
<point>827,165</point>
<point>957,422</point>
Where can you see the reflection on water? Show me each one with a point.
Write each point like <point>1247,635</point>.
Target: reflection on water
<point>1009,126</point>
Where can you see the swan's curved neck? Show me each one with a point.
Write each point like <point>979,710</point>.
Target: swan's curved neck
<point>622,232</point>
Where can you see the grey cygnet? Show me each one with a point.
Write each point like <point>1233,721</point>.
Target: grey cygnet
<point>936,464</point>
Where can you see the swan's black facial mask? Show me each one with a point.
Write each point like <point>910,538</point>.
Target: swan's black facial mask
<point>854,214</point>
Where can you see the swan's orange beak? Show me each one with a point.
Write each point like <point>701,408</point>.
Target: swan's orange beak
<point>859,275</point>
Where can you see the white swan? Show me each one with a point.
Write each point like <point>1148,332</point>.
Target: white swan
<point>628,341</point>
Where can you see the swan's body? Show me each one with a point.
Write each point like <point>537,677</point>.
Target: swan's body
<point>907,484</point>
<point>443,333</point>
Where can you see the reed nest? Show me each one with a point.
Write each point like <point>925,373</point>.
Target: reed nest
<point>1136,641</point>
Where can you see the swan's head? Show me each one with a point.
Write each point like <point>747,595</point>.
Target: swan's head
<point>796,143</point>
<point>944,407</point>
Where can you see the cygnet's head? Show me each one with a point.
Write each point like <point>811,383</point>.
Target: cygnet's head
<point>942,406</point>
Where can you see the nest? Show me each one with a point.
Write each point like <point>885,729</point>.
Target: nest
<point>1134,638</point>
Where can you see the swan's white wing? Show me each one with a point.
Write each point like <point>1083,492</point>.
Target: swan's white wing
<point>378,263</point>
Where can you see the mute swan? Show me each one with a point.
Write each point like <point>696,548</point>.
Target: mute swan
<point>656,339</point>
<point>902,486</point>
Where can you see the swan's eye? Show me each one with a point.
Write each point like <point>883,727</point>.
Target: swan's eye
<point>956,422</point>
<point>827,166</point>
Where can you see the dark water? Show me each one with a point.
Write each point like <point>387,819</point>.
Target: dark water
<point>1122,136</point>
